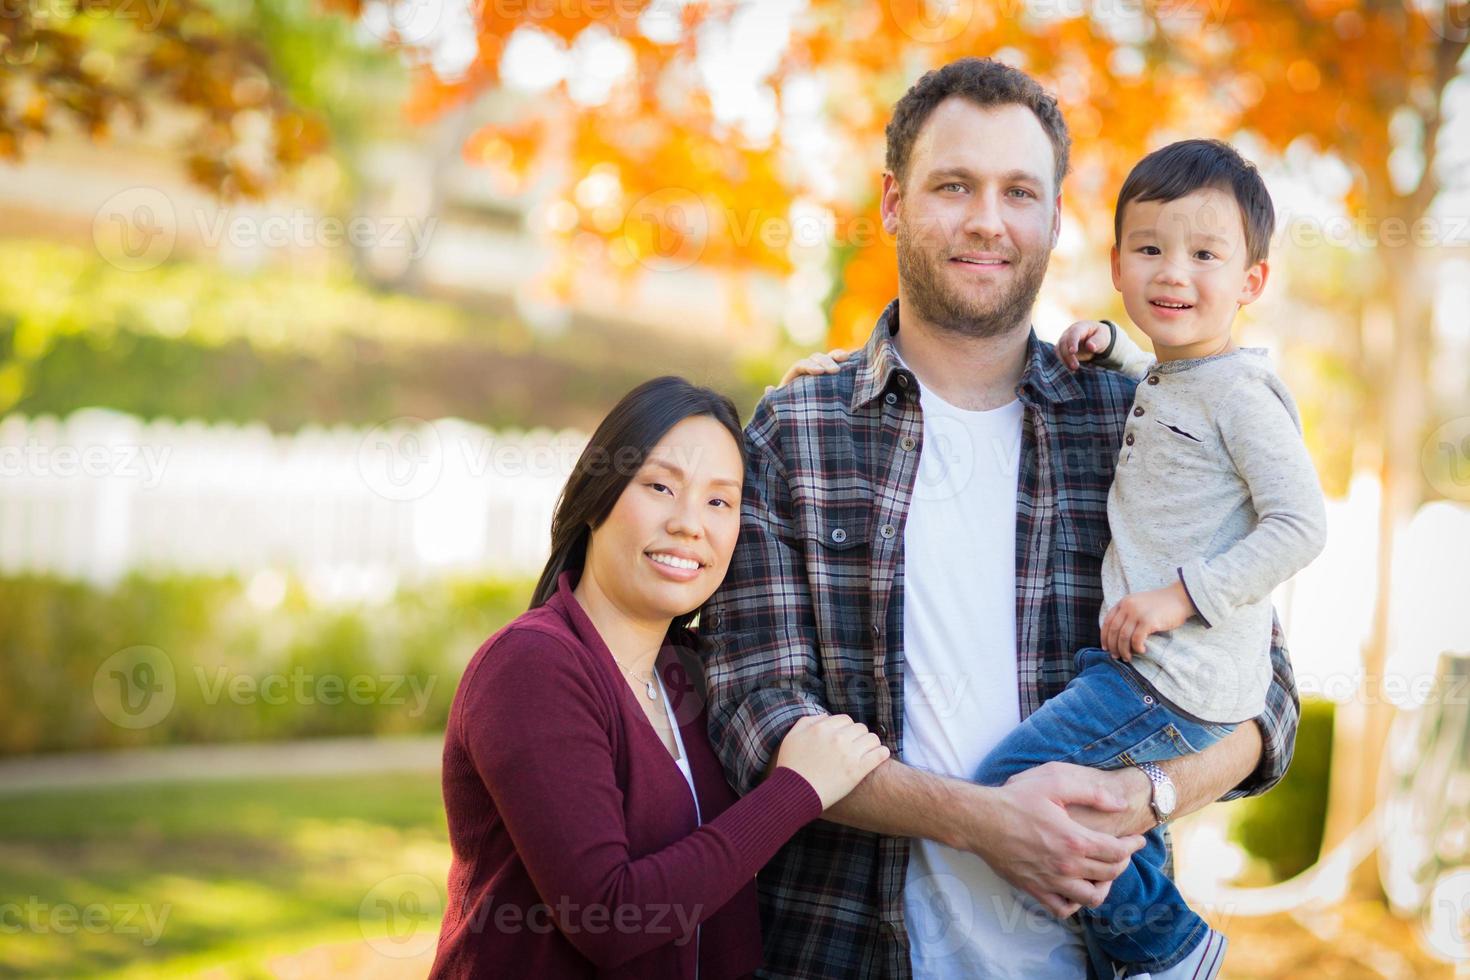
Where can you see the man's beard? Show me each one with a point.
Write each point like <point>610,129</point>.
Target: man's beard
<point>936,301</point>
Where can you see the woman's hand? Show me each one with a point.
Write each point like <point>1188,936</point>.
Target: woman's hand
<point>832,752</point>
<point>1135,617</point>
<point>818,363</point>
<point>1081,341</point>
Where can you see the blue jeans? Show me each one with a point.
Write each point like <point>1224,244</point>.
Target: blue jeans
<point>1108,717</point>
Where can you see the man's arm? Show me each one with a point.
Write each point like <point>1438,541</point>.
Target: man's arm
<point>1022,831</point>
<point>1247,762</point>
<point>759,630</point>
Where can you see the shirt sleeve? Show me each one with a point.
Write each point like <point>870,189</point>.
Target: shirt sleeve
<point>1259,431</point>
<point>538,733</point>
<point>1124,356</point>
<point>1278,723</point>
<point>761,657</point>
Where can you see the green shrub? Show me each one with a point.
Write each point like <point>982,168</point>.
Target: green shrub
<point>1284,826</point>
<point>239,672</point>
<point>191,340</point>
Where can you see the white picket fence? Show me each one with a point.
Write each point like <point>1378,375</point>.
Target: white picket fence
<point>354,512</point>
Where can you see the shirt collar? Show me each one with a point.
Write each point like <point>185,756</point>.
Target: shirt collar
<point>1045,378</point>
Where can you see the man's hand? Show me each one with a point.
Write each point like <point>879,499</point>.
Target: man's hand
<point>1029,840</point>
<point>1137,616</point>
<point>828,363</point>
<point>1129,784</point>
<point>1080,341</point>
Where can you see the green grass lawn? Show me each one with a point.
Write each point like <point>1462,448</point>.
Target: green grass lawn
<point>219,878</point>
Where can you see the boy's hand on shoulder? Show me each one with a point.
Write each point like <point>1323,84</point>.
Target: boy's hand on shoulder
<point>1081,341</point>
<point>1137,616</point>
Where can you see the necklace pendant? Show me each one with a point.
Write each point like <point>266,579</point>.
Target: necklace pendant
<point>652,694</point>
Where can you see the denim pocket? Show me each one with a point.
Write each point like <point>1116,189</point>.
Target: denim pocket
<point>1157,746</point>
<point>1194,737</point>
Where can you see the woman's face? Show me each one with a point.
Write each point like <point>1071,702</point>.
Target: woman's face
<point>667,542</point>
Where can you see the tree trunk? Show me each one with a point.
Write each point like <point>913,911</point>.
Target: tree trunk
<point>1361,726</point>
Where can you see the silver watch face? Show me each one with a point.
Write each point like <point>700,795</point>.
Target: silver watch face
<point>1164,797</point>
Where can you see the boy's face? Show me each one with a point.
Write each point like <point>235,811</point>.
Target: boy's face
<point>1182,269</point>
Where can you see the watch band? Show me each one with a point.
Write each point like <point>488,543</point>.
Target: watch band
<point>1161,799</point>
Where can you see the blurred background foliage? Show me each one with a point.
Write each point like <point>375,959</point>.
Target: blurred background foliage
<point>607,192</point>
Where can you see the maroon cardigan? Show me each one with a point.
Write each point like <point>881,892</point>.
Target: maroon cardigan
<point>577,852</point>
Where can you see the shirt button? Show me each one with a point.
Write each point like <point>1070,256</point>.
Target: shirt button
<point>903,380</point>
<point>907,442</point>
<point>1153,379</point>
<point>881,729</point>
<point>1138,410</point>
<point>891,398</point>
<point>886,530</point>
<point>839,535</point>
<point>1129,439</point>
<point>714,620</point>
<point>877,631</point>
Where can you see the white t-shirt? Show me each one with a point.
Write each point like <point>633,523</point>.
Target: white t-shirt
<point>960,692</point>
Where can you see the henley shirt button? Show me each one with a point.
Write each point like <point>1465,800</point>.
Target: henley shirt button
<point>886,530</point>
<point>891,398</point>
<point>1138,410</point>
<point>907,442</point>
<point>1153,379</point>
<point>839,535</point>
<point>1128,439</point>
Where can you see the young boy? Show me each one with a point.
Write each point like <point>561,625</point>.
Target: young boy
<point>1214,503</point>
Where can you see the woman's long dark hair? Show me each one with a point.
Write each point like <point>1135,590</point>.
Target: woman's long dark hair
<point>614,456</point>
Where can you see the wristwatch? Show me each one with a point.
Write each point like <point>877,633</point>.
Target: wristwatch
<point>1163,800</point>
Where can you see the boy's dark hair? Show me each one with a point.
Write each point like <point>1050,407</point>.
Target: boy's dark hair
<point>1182,168</point>
<point>984,82</point>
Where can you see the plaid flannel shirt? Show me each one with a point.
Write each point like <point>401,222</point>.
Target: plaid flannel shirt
<point>809,619</point>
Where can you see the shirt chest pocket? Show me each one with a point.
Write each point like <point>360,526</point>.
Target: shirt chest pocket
<point>837,538</point>
<point>1188,444</point>
<point>1082,538</point>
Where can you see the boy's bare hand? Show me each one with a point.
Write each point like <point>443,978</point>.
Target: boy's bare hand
<point>1080,341</point>
<point>819,363</point>
<point>1141,614</point>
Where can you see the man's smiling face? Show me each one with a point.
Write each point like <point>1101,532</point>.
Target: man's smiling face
<point>976,217</point>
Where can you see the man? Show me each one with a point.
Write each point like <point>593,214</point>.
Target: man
<point>921,541</point>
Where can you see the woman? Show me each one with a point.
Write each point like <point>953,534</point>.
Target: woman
<point>593,831</point>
